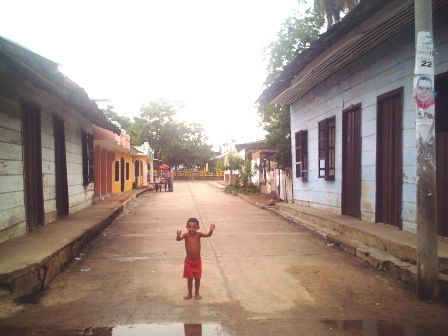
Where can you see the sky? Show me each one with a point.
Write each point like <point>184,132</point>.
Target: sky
<point>206,54</point>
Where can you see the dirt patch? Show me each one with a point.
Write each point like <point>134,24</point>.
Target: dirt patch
<point>265,199</point>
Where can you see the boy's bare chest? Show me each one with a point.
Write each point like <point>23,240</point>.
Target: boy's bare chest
<point>196,239</point>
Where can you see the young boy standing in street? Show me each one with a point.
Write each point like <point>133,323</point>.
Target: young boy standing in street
<point>193,262</point>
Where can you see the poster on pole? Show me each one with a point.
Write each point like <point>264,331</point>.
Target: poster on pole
<point>424,59</point>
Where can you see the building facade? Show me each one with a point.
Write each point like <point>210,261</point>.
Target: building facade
<point>353,116</point>
<point>46,168</point>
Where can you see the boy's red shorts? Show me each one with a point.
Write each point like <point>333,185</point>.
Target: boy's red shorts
<point>192,268</point>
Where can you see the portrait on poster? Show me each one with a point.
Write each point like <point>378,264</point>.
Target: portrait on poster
<point>424,97</point>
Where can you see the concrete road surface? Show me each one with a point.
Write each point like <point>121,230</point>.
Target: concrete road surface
<point>261,276</point>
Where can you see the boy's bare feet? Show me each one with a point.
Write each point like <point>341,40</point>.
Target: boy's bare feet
<point>188,297</point>
<point>197,296</point>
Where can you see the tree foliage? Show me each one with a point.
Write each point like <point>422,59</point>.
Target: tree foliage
<point>175,143</point>
<point>233,162</point>
<point>332,9</point>
<point>296,35</point>
<point>246,173</point>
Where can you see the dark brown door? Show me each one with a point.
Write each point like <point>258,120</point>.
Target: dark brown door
<point>389,172</point>
<point>442,153</point>
<point>122,174</point>
<point>32,165</point>
<point>60,167</point>
<point>351,161</point>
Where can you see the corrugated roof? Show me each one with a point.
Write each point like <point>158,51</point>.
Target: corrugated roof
<point>44,73</point>
<point>365,27</point>
<point>255,145</point>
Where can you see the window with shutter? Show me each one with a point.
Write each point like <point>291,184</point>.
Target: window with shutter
<point>298,154</point>
<point>327,143</point>
<point>301,138</point>
<point>304,143</point>
<point>331,126</point>
<point>322,147</point>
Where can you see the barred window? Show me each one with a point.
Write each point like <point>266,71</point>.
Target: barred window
<point>302,154</point>
<point>327,141</point>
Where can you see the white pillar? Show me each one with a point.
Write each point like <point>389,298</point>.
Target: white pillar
<point>151,171</point>
<point>145,175</point>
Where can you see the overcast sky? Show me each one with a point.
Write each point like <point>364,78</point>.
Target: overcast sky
<point>206,53</point>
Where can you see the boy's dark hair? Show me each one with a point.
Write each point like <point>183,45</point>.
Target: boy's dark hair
<point>193,220</point>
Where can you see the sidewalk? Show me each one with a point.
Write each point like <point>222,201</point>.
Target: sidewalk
<point>29,263</point>
<point>383,246</point>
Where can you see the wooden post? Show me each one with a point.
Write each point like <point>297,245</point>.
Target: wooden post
<point>427,259</point>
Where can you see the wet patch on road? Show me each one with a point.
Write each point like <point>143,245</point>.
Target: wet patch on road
<point>165,329</point>
<point>383,328</point>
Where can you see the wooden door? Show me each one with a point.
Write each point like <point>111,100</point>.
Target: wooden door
<point>389,172</point>
<point>442,153</point>
<point>351,161</point>
<point>32,165</point>
<point>122,173</point>
<point>60,167</point>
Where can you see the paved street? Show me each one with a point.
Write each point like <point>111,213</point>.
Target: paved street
<point>261,276</point>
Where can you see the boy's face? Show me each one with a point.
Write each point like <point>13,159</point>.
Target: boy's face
<point>192,227</point>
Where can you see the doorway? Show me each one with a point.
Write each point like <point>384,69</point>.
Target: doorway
<point>60,167</point>
<point>351,161</point>
<point>389,171</point>
<point>32,165</point>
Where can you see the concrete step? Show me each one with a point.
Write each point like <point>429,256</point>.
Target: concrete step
<point>379,258</point>
<point>377,235</point>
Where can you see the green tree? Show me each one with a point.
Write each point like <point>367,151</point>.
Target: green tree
<point>332,9</point>
<point>296,35</point>
<point>233,162</point>
<point>219,165</point>
<point>246,173</point>
<point>174,142</point>
<point>162,129</point>
<point>125,122</point>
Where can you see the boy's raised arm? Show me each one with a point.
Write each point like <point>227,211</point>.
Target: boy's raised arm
<point>210,232</point>
<point>179,235</point>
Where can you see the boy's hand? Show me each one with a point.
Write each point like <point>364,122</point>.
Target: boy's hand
<point>179,235</point>
<point>212,227</point>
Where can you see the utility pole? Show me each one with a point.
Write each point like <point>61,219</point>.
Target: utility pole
<point>427,258</point>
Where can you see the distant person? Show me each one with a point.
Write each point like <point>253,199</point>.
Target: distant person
<point>193,262</point>
<point>169,179</point>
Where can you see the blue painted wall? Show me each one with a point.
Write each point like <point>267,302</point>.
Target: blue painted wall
<point>389,66</point>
